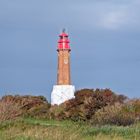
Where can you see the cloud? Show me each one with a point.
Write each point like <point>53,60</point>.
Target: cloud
<point>108,14</point>
<point>98,14</point>
<point>120,16</point>
<point>113,19</point>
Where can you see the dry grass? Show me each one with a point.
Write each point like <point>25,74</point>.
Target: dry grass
<point>31,129</point>
<point>40,133</point>
<point>9,111</point>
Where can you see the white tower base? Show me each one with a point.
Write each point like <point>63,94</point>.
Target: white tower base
<point>62,93</point>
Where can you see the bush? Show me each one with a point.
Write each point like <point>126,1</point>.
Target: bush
<point>101,106</point>
<point>133,107</point>
<point>114,115</point>
<point>87,102</point>
<point>56,112</point>
<point>34,106</point>
<point>41,111</point>
<point>9,111</point>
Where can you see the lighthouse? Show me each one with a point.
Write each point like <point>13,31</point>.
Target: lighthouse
<point>63,90</point>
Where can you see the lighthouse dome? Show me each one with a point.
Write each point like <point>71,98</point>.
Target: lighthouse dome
<point>63,42</point>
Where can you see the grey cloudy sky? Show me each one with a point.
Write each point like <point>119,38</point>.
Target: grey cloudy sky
<point>105,42</point>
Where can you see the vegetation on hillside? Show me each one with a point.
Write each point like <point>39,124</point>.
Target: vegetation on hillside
<point>92,106</point>
<point>86,103</point>
<point>92,114</point>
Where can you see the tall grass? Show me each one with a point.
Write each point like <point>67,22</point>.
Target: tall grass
<point>32,129</point>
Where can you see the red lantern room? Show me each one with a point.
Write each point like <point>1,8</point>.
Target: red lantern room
<point>63,42</point>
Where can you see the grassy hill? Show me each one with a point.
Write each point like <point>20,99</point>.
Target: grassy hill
<point>93,115</point>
